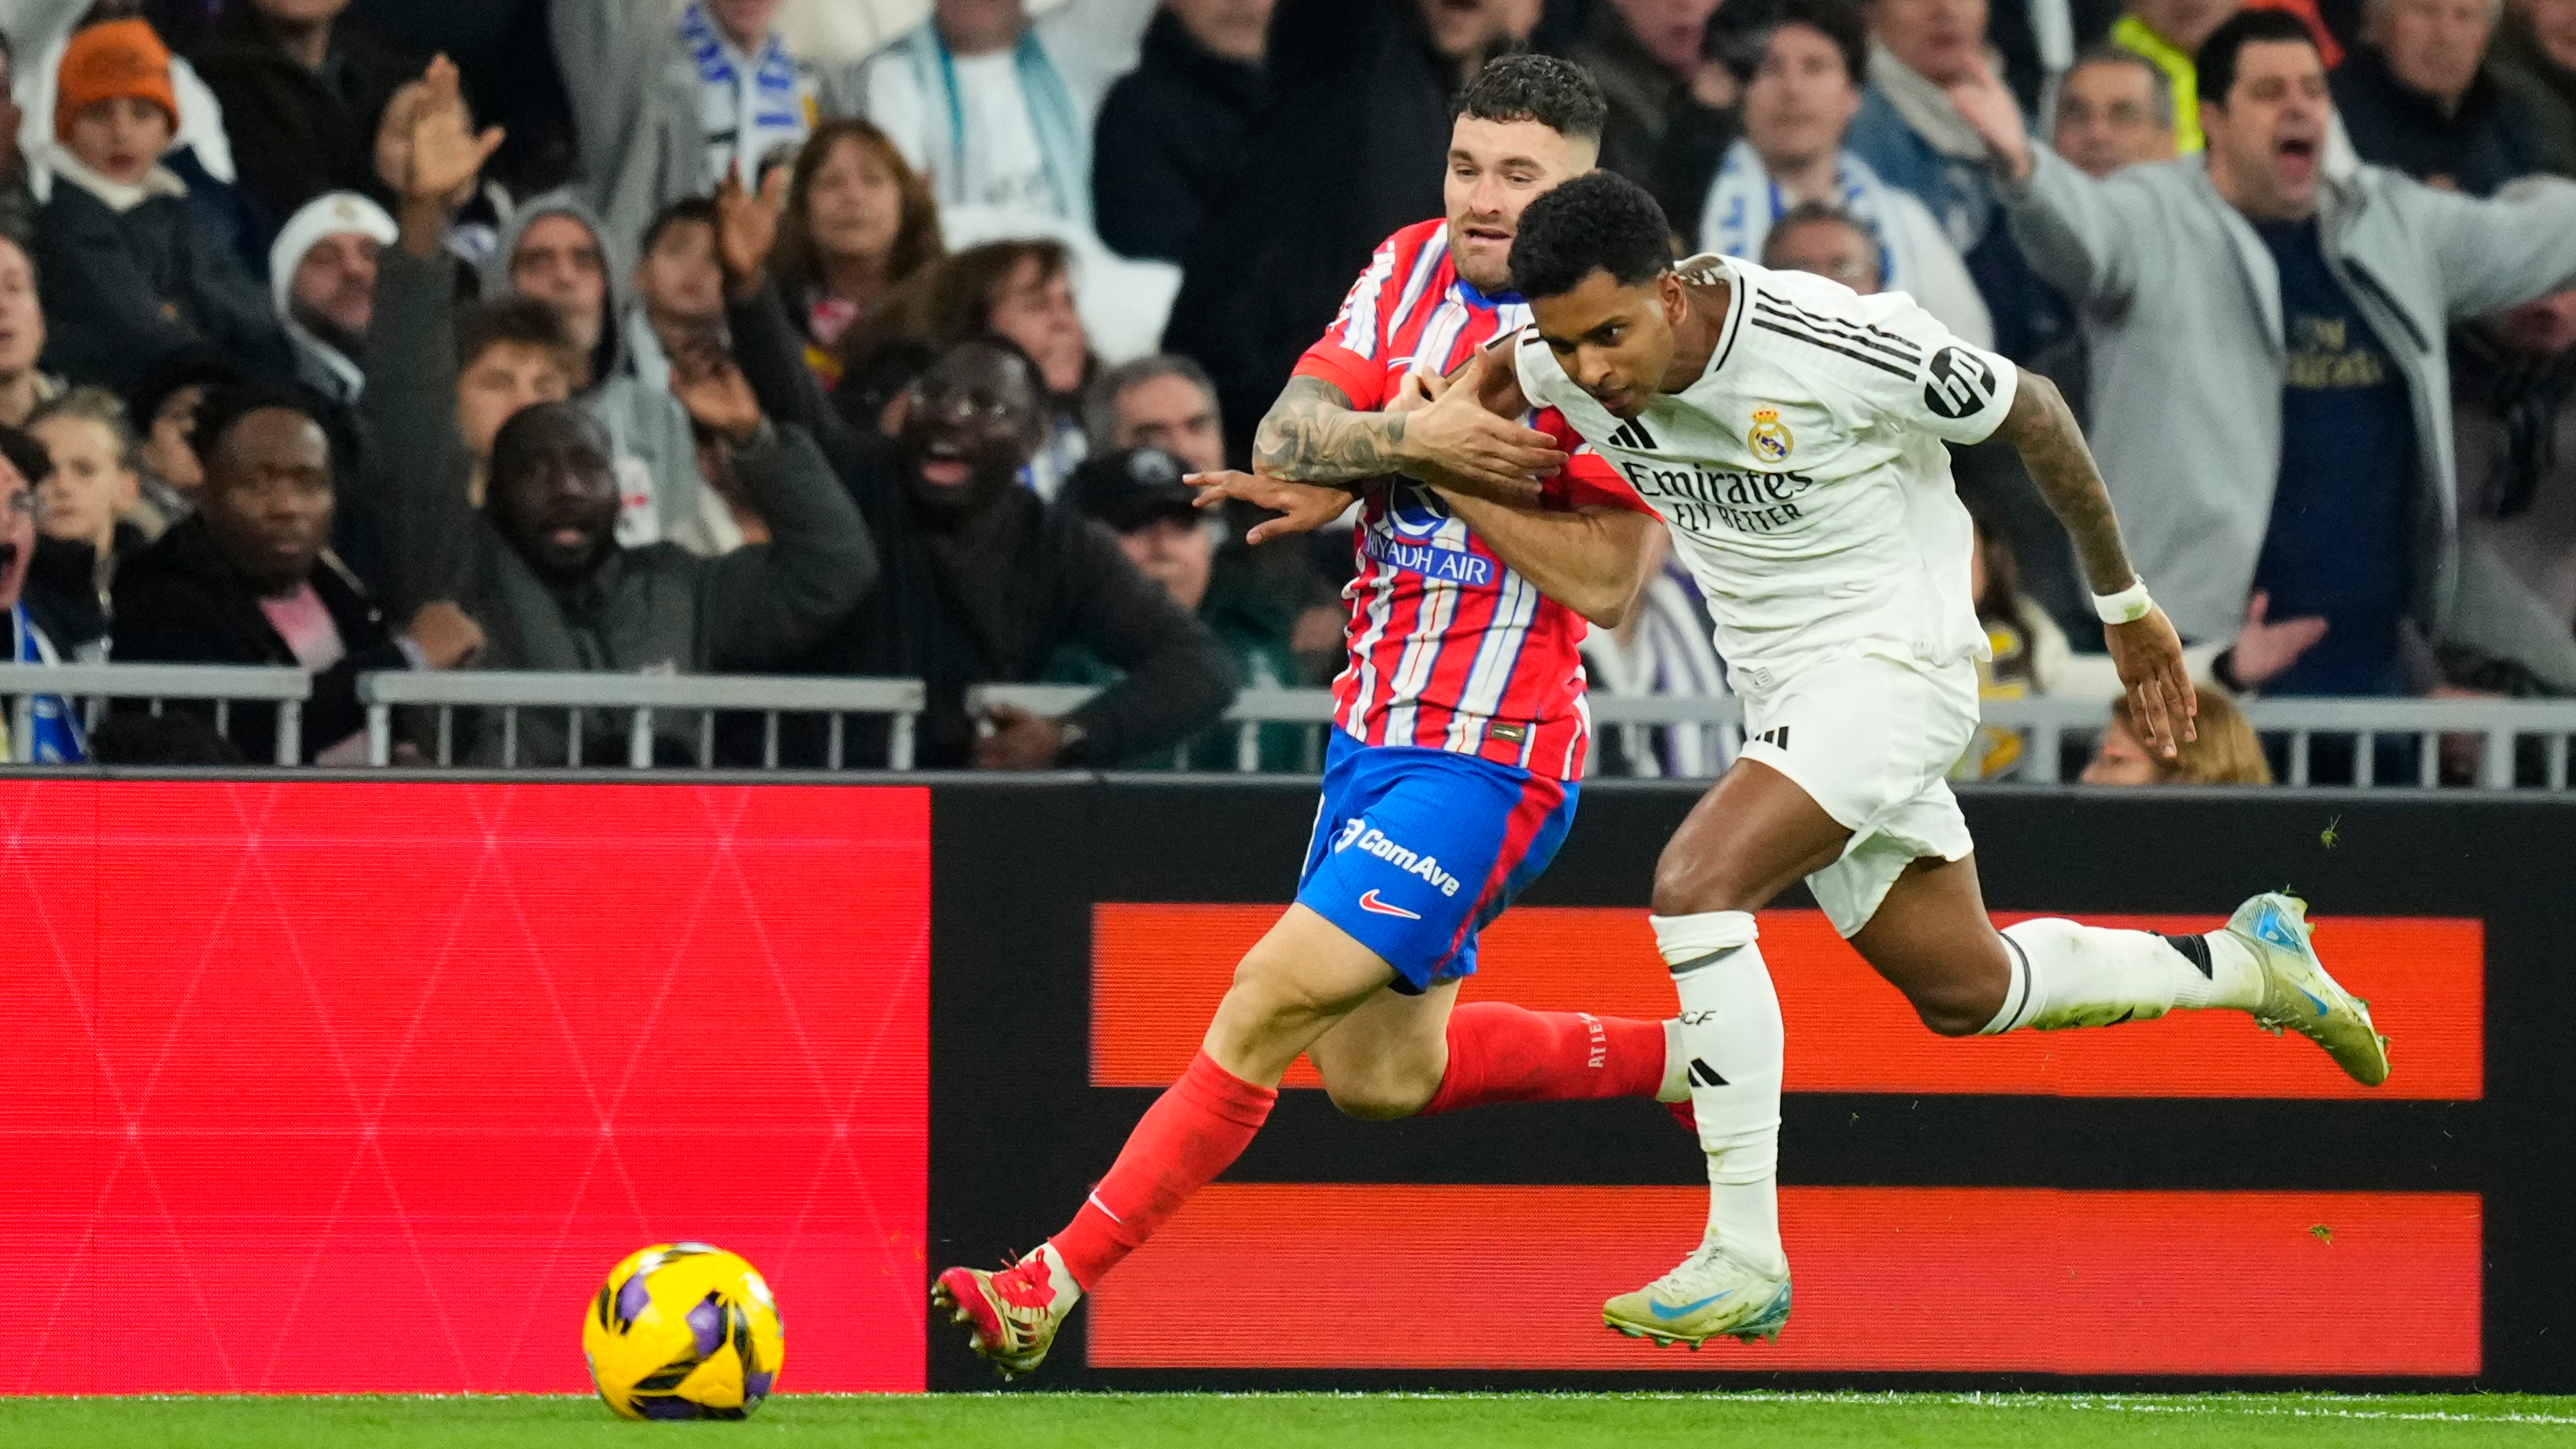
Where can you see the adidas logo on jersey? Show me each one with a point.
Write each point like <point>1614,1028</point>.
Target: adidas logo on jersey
<point>1367,839</point>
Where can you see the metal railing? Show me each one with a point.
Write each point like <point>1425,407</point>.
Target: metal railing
<point>156,684</point>
<point>2501,743</point>
<point>2046,725</point>
<point>639,696</point>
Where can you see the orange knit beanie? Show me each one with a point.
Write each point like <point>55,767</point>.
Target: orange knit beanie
<point>105,62</point>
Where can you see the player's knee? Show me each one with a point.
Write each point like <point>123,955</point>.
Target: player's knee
<point>1949,1010</point>
<point>1378,1099</point>
<point>1684,888</point>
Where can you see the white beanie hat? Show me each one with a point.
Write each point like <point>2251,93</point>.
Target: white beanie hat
<point>333,213</point>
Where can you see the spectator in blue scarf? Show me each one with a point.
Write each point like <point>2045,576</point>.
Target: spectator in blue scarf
<point>53,736</point>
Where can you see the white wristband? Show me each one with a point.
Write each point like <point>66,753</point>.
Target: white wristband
<point>2125,607</point>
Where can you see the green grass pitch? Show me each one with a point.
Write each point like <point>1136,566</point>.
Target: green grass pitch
<point>1322,1421</point>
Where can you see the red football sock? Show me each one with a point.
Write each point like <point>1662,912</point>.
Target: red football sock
<point>1193,1131</point>
<point>1504,1053</point>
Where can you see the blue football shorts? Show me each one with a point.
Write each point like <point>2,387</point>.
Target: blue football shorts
<point>1415,850</point>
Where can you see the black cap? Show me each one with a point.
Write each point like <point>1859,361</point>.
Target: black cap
<point>1131,488</point>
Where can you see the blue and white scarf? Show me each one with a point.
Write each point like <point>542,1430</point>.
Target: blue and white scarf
<point>744,121</point>
<point>1064,140</point>
<point>1744,201</point>
<point>53,732</point>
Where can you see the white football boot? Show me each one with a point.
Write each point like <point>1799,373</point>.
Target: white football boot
<point>2299,995</point>
<point>1713,1293</point>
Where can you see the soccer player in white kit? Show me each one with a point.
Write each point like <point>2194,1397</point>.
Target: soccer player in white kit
<point>1791,433</point>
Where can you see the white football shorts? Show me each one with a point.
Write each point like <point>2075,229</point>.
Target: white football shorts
<point>1871,740</point>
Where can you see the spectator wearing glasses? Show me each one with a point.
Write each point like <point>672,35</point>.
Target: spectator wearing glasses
<point>985,582</point>
<point>2115,109</point>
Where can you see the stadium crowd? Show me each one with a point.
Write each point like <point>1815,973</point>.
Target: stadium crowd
<point>354,335</point>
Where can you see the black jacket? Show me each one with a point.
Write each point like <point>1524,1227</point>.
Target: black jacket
<point>2491,139</point>
<point>62,595</point>
<point>1169,139</point>
<point>1352,147</point>
<point>297,133</point>
<point>123,291</point>
<point>989,603</point>
<point>180,602</point>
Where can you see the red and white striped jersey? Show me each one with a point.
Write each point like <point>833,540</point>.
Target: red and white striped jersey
<point>1449,649</point>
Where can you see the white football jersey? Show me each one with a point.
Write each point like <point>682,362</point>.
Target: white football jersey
<point>1803,473</point>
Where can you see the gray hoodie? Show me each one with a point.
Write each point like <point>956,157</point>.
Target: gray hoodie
<point>2181,307</point>
<point>657,460</point>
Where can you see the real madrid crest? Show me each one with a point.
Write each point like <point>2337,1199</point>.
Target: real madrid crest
<point>1769,437</point>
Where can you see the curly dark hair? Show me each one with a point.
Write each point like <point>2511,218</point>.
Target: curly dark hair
<point>1558,94</point>
<point>1599,221</point>
<point>226,406</point>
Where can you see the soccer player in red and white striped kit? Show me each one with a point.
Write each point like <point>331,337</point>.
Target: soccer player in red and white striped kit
<point>1460,727</point>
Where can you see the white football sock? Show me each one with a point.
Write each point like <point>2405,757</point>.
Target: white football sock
<point>1730,1029</point>
<point>1676,1087</point>
<point>2066,974</point>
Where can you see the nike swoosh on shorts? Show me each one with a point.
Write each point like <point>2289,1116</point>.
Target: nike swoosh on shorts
<point>1369,902</point>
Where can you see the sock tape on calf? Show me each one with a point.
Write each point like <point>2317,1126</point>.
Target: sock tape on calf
<point>1686,941</point>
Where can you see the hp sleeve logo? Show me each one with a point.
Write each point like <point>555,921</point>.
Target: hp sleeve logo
<point>1958,383</point>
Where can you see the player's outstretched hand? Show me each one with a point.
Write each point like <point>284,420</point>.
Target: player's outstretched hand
<point>2148,654</point>
<point>1302,507</point>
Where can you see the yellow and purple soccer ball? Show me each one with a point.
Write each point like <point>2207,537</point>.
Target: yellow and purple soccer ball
<point>683,1331</point>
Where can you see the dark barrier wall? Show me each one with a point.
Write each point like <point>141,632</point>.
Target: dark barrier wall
<point>2189,1201</point>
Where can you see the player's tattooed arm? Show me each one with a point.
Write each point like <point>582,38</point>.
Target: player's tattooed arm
<point>2147,651</point>
<point>2043,428</point>
<point>1443,434</point>
<point>1314,435</point>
